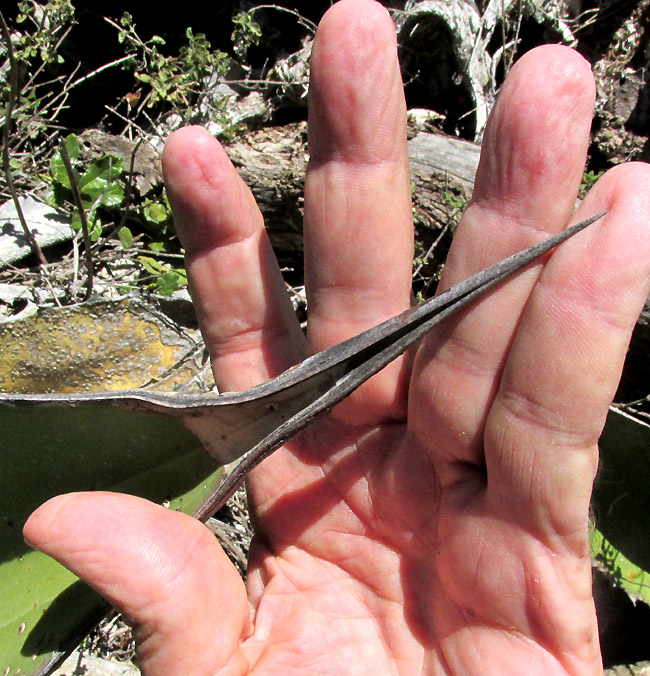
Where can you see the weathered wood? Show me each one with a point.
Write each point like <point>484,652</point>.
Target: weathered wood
<point>436,155</point>
<point>272,161</point>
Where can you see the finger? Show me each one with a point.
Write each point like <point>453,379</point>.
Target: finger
<point>358,231</point>
<point>566,361</point>
<point>531,166</point>
<point>162,569</point>
<point>245,315</point>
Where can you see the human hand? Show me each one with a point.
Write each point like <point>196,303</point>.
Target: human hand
<point>436,521</point>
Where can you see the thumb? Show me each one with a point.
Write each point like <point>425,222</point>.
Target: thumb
<point>164,570</point>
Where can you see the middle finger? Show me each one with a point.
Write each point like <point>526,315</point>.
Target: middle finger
<point>358,224</point>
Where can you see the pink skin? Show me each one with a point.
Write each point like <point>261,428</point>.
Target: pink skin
<point>436,522</point>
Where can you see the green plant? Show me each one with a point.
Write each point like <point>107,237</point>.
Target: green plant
<point>37,48</point>
<point>157,214</point>
<point>38,84</point>
<point>47,26</point>
<point>246,32</point>
<point>589,179</point>
<point>455,202</point>
<point>46,78</point>
<point>174,80</point>
<point>166,279</point>
<point>99,184</point>
<point>125,236</point>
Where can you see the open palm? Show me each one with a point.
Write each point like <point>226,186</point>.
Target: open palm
<point>436,521</point>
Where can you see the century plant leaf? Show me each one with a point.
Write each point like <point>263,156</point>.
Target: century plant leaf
<point>99,346</point>
<point>620,571</point>
<point>95,346</point>
<point>45,611</point>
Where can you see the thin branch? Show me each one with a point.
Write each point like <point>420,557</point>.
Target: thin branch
<point>41,67</point>
<point>76,195</point>
<point>129,125</point>
<point>251,82</point>
<point>13,95</point>
<point>302,20</point>
<point>101,69</point>
<point>58,101</point>
<point>62,96</point>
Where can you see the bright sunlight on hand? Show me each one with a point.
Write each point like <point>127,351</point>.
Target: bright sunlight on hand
<point>436,521</point>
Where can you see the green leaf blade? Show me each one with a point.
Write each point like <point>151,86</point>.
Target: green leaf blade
<point>45,610</point>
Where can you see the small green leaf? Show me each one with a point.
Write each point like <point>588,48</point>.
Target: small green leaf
<point>126,237</point>
<point>167,283</point>
<point>99,181</point>
<point>168,279</point>
<point>152,266</point>
<point>57,168</point>
<point>58,172</point>
<point>454,201</point>
<point>156,212</point>
<point>73,146</point>
<point>589,179</point>
<point>246,32</point>
<point>96,230</point>
<point>107,167</point>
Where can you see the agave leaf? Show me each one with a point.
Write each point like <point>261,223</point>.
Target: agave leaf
<point>618,568</point>
<point>46,450</point>
<point>45,611</point>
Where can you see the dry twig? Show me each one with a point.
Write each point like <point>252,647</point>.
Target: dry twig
<point>76,195</point>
